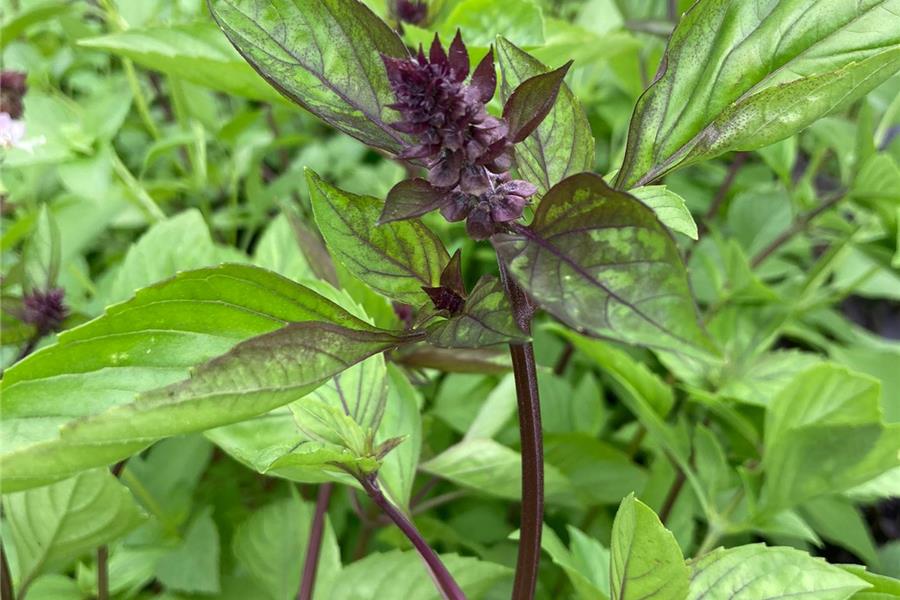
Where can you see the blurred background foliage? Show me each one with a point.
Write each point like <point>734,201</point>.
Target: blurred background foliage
<point>156,148</point>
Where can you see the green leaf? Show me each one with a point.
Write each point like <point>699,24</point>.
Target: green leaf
<point>53,525</point>
<point>883,588</point>
<point>397,259</point>
<point>272,544</point>
<point>531,101</point>
<point>147,342</point>
<point>645,559</point>
<point>486,320</point>
<point>195,52</point>
<point>602,263</point>
<point>193,566</point>
<point>278,250</point>
<point>742,74</point>
<point>562,145</point>
<point>36,12</point>
<point>598,472</point>
<point>325,55</point>
<point>634,376</point>
<point>585,562</point>
<point>401,418</point>
<point>669,207</point>
<point>841,523</point>
<point>824,434</point>
<point>480,20</point>
<point>401,575</point>
<point>773,573</point>
<point>491,468</point>
<point>360,392</point>
<point>180,243</point>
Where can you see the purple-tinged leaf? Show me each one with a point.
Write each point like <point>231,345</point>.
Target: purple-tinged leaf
<point>485,320</point>
<point>449,298</point>
<point>325,55</point>
<point>600,261</point>
<point>396,259</point>
<point>562,145</point>
<point>409,199</point>
<point>459,57</point>
<point>484,79</point>
<point>530,103</point>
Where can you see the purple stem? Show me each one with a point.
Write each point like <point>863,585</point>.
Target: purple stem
<point>444,581</point>
<point>314,546</point>
<point>532,445</point>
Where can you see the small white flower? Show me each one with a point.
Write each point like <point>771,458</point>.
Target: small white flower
<point>12,135</point>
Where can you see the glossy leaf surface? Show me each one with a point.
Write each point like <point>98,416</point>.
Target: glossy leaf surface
<point>742,74</point>
<point>562,145</point>
<point>645,560</point>
<point>51,400</point>
<point>325,55</point>
<point>486,320</point>
<point>397,259</point>
<point>601,262</point>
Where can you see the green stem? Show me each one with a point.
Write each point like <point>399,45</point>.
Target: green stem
<point>143,200</point>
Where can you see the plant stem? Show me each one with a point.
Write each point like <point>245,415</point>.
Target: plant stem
<point>525,373</point>
<point>532,518</point>
<point>672,496</point>
<point>444,581</point>
<point>799,226</point>
<point>103,551</point>
<point>314,546</point>
<point>6,586</point>
<point>103,573</point>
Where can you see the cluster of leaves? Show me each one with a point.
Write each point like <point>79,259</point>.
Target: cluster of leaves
<point>236,329</point>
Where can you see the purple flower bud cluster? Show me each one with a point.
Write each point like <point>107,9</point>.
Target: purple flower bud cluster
<point>466,150</point>
<point>46,310</point>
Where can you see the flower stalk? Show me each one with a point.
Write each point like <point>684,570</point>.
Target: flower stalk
<point>443,580</point>
<point>314,545</point>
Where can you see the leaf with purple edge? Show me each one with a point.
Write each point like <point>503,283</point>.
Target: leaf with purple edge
<point>396,259</point>
<point>325,55</point>
<point>409,199</point>
<point>562,145</point>
<point>600,261</point>
<point>485,320</point>
<point>531,102</point>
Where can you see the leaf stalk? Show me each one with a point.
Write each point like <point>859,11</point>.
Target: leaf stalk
<point>443,580</point>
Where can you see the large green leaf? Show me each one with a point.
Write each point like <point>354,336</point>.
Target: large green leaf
<point>485,320</point>
<point>271,545</point>
<point>195,52</point>
<point>742,74</point>
<point>771,573</point>
<point>397,258</point>
<point>491,468</point>
<point>600,261</point>
<point>52,399</point>
<point>400,575</point>
<point>562,144</point>
<point>824,434</point>
<point>55,524</point>
<point>645,560</point>
<point>325,55</point>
